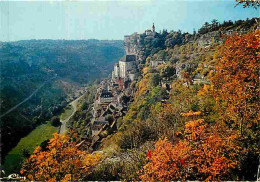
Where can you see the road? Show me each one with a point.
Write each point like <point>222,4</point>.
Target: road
<point>64,122</point>
<point>25,100</point>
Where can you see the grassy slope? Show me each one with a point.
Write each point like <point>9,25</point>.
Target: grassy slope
<point>67,112</point>
<point>15,157</point>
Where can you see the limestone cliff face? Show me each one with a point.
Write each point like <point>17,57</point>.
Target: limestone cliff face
<point>209,39</point>
<point>216,37</point>
<point>131,44</point>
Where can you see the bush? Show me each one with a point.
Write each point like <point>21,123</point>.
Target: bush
<point>55,121</point>
<point>154,80</point>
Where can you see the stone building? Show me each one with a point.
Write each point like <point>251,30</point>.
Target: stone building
<point>150,32</point>
<point>126,64</point>
<point>132,75</point>
<point>97,125</point>
<point>116,70</point>
<point>131,43</point>
<point>126,69</point>
<point>105,97</point>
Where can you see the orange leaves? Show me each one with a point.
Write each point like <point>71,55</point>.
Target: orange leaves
<point>61,161</point>
<point>145,70</point>
<point>205,90</point>
<point>202,155</point>
<point>194,129</point>
<point>236,78</point>
<point>164,162</point>
<point>191,114</point>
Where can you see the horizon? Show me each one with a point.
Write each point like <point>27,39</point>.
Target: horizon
<point>62,40</point>
<point>94,38</point>
<point>109,20</point>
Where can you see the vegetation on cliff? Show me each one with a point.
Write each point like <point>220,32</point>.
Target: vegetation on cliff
<point>222,107</point>
<point>193,117</point>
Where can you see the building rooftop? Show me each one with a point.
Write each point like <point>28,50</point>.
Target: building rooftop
<point>148,30</point>
<point>97,122</point>
<point>106,94</point>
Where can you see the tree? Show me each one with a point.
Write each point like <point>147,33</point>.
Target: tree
<point>194,31</point>
<point>215,24</point>
<point>186,78</point>
<point>205,153</point>
<point>174,38</point>
<point>248,3</point>
<point>167,71</point>
<point>236,79</point>
<point>62,161</point>
<point>154,80</point>
<point>204,29</point>
<point>55,121</point>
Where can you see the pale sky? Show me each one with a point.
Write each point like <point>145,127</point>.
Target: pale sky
<point>23,20</point>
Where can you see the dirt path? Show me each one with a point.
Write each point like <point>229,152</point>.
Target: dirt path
<point>64,122</point>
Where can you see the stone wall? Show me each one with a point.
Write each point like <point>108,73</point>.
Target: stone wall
<point>131,43</point>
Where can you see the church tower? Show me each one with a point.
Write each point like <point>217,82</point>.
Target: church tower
<point>153,28</point>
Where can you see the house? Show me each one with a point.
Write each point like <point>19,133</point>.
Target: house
<point>116,71</point>
<point>132,75</point>
<point>105,97</point>
<point>98,125</point>
<point>126,64</point>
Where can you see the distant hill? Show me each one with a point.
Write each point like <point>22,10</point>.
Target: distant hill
<point>27,64</point>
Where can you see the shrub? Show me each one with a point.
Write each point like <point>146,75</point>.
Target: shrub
<point>55,121</point>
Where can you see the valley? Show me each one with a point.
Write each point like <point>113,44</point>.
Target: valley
<point>157,105</point>
<point>39,78</point>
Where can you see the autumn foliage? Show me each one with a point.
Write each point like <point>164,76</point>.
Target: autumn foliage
<point>201,155</point>
<point>211,151</point>
<point>61,161</point>
<point>249,3</point>
<point>236,79</point>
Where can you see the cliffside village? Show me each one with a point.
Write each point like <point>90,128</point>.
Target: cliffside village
<point>114,95</point>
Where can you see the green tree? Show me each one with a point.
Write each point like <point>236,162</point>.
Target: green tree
<point>55,121</point>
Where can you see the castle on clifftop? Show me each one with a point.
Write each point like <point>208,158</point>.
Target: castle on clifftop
<point>127,66</point>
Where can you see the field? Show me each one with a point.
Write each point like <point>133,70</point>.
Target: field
<point>67,112</point>
<point>15,157</point>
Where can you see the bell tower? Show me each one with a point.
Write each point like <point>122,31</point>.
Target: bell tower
<point>153,28</point>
